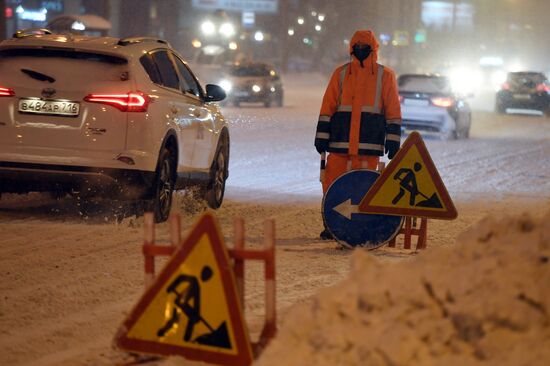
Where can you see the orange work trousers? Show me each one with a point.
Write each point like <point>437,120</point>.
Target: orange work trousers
<point>338,164</point>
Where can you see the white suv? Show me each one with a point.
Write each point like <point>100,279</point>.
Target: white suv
<point>109,117</point>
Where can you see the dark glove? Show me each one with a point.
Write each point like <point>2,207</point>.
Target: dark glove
<point>391,148</point>
<point>321,145</point>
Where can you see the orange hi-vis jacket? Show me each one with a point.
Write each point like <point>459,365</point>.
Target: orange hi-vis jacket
<point>360,109</point>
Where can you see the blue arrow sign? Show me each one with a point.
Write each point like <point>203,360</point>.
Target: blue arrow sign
<point>343,219</point>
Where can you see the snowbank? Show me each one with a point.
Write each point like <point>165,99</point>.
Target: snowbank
<point>484,301</point>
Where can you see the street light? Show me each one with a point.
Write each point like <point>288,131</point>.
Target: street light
<point>300,20</point>
<point>321,17</point>
<point>318,27</point>
<point>290,32</point>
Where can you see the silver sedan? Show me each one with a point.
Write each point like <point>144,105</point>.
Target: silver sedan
<point>429,105</point>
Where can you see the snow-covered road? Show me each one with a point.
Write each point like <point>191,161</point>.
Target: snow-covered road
<point>67,282</point>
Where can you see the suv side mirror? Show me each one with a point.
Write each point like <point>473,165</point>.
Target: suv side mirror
<point>214,93</point>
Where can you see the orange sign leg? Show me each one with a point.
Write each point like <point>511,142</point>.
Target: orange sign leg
<point>413,227</point>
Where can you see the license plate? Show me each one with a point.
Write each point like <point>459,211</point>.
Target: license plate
<point>416,102</point>
<point>522,96</point>
<point>53,107</point>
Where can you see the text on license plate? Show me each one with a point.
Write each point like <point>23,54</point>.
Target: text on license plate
<point>416,102</point>
<point>56,107</point>
<point>522,96</point>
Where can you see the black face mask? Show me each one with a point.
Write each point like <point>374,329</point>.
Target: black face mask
<point>361,52</point>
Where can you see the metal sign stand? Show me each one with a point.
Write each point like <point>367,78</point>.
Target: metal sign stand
<point>238,254</point>
<point>411,228</point>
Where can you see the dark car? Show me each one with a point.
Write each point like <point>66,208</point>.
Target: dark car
<point>429,105</point>
<point>253,82</point>
<point>524,90</point>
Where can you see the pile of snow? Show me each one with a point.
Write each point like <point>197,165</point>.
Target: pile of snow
<point>484,301</point>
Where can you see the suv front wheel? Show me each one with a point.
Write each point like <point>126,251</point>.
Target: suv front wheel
<point>218,174</point>
<point>163,188</point>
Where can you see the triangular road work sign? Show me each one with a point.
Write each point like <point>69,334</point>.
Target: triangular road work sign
<point>192,308</point>
<point>410,186</point>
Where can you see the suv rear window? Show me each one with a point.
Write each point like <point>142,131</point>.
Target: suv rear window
<point>424,84</point>
<point>68,68</point>
<point>250,70</point>
<point>526,78</point>
<point>62,53</point>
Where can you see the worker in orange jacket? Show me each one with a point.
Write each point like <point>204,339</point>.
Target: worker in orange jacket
<point>361,116</point>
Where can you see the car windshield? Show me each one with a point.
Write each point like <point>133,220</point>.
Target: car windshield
<point>250,70</point>
<point>424,84</point>
<point>526,78</point>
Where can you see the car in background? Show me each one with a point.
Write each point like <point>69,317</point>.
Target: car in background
<point>524,90</point>
<point>429,105</point>
<point>252,82</point>
<point>82,24</point>
<point>102,117</point>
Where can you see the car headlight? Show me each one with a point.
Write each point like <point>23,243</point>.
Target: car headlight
<point>227,30</point>
<point>208,28</point>
<point>465,81</point>
<point>256,88</point>
<point>226,85</point>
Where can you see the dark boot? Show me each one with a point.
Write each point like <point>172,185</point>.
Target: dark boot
<point>326,235</point>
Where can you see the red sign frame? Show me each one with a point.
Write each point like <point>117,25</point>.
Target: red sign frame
<point>414,139</point>
<point>206,225</point>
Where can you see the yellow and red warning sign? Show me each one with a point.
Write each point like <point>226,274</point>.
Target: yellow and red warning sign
<point>410,186</point>
<point>192,308</point>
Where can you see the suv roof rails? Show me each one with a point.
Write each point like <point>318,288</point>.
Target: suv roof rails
<point>22,33</point>
<point>133,40</point>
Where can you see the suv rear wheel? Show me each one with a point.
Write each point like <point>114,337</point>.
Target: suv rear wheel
<point>161,202</point>
<point>218,174</point>
<point>499,108</point>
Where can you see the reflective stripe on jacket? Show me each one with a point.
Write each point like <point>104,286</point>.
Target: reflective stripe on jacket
<point>360,107</point>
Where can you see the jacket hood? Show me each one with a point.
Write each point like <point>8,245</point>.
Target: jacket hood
<point>368,37</point>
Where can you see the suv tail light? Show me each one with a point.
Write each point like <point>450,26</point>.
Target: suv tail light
<point>543,88</point>
<point>6,92</point>
<point>444,102</point>
<point>129,102</point>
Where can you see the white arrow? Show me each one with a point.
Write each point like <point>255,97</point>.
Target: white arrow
<point>346,209</point>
